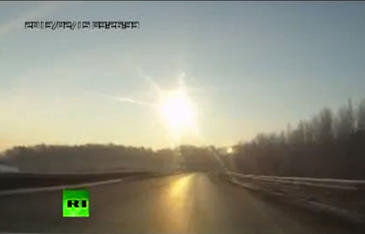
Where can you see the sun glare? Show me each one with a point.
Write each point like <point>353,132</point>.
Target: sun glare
<point>178,111</point>
<point>229,150</point>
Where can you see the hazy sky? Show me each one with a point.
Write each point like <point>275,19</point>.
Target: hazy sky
<point>249,67</point>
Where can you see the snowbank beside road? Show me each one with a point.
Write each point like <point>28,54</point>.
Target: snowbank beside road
<point>341,198</point>
<point>6,168</point>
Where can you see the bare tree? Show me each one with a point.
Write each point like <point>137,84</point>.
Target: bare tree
<point>325,125</point>
<point>301,132</point>
<point>361,116</point>
<point>345,121</point>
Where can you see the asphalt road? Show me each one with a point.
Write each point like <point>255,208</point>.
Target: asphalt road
<point>189,203</point>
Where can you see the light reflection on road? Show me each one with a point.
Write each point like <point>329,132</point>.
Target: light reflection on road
<point>177,204</point>
<point>179,188</point>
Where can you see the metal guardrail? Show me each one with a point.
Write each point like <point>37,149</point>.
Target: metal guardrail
<point>305,181</point>
<point>28,180</point>
<point>340,198</point>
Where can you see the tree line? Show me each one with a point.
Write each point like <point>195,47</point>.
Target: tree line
<point>89,157</point>
<point>105,157</point>
<point>330,144</point>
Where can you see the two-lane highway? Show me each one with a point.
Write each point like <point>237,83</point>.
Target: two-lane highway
<point>188,203</point>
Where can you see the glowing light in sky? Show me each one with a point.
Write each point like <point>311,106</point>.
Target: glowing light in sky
<point>178,111</point>
<point>175,107</point>
<point>229,150</point>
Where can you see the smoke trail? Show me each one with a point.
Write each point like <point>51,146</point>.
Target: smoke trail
<point>135,101</point>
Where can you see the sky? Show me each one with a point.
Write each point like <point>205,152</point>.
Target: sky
<point>246,67</point>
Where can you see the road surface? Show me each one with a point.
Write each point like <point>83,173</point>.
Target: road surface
<point>188,203</point>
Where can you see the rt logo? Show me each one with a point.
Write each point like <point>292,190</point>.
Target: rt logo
<point>75,203</point>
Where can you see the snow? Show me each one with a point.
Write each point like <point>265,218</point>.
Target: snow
<point>305,181</point>
<point>6,168</point>
<point>317,194</point>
